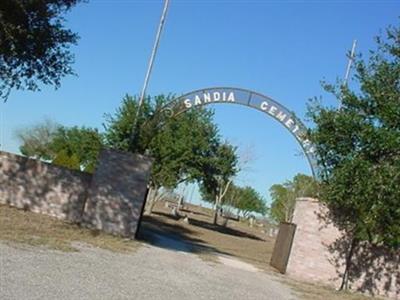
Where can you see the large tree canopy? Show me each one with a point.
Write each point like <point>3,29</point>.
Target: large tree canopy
<point>186,147</point>
<point>179,145</point>
<point>359,147</point>
<point>34,44</point>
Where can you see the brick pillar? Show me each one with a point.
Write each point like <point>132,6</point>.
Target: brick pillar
<point>117,192</point>
<point>310,258</point>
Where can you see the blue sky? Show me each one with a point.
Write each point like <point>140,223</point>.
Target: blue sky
<point>278,48</point>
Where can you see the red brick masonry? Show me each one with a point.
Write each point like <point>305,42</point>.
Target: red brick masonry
<point>319,249</point>
<point>109,200</point>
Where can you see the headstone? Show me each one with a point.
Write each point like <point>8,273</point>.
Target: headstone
<point>174,211</point>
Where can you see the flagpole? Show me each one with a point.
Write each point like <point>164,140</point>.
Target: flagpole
<point>134,132</point>
<point>351,58</point>
<point>347,74</point>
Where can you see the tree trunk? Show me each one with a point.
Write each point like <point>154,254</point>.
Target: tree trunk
<point>216,207</point>
<point>181,198</point>
<point>148,200</point>
<point>215,217</point>
<point>345,277</point>
<point>180,201</point>
<point>152,200</point>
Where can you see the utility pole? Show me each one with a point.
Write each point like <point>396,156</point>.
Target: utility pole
<point>134,133</point>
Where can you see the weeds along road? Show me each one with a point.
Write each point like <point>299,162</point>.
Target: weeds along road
<point>147,273</point>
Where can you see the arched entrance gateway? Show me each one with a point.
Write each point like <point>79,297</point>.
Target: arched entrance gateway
<point>251,99</point>
<point>270,107</point>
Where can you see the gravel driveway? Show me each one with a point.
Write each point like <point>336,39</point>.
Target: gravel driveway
<point>149,273</point>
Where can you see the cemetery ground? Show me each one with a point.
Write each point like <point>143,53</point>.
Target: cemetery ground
<point>174,257</point>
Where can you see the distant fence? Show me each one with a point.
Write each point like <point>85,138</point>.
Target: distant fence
<point>110,200</point>
<point>283,246</point>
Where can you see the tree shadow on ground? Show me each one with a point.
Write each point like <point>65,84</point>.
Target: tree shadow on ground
<point>200,213</point>
<point>172,236</point>
<point>217,228</point>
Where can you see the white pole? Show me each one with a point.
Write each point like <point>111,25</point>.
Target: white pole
<point>346,75</point>
<point>149,69</point>
<point>351,58</point>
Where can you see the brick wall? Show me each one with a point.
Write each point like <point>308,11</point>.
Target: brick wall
<point>319,250</point>
<point>111,200</point>
<point>42,187</point>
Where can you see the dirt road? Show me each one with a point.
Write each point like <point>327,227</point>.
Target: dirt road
<point>149,273</point>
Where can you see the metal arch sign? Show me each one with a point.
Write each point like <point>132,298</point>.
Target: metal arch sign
<point>251,99</point>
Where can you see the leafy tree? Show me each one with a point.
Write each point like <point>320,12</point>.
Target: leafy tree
<point>34,44</point>
<point>245,199</point>
<point>283,202</point>
<point>358,147</point>
<point>81,144</point>
<point>69,161</point>
<point>250,201</point>
<point>118,126</point>
<point>219,168</point>
<point>179,145</point>
<point>35,141</point>
<point>284,196</point>
<point>73,147</point>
